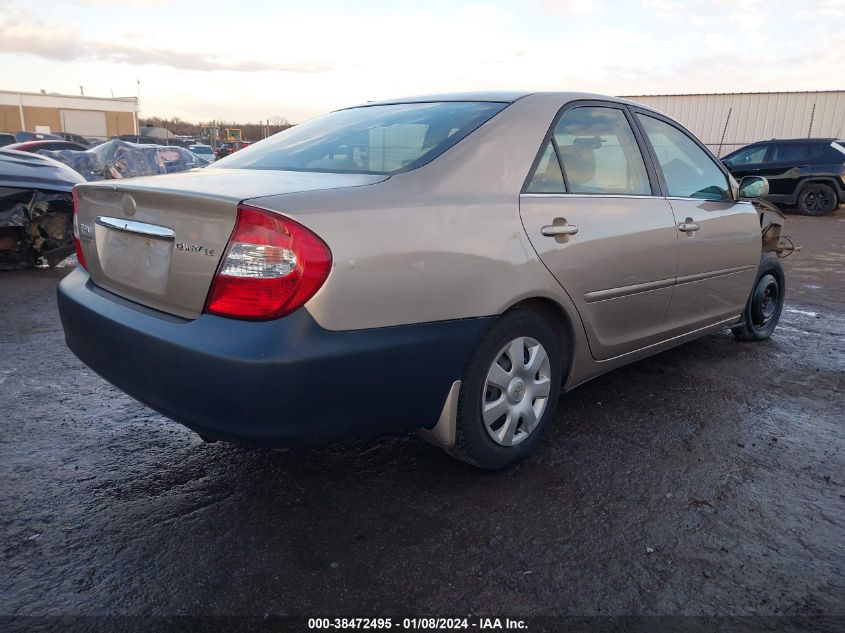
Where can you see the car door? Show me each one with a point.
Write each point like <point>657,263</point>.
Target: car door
<point>600,226</point>
<point>784,167</point>
<point>719,240</point>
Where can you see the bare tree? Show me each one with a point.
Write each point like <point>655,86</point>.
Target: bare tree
<point>250,131</point>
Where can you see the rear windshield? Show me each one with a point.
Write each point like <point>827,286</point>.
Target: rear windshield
<point>200,150</point>
<point>385,139</point>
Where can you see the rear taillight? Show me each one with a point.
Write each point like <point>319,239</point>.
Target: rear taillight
<point>271,267</point>
<point>80,256</point>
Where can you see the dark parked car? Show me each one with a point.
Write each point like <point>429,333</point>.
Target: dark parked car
<point>34,146</point>
<point>230,148</point>
<point>22,137</point>
<point>808,172</point>
<point>76,138</point>
<point>141,140</point>
<point>7,139</point>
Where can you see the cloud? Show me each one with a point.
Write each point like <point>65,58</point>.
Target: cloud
<point>691,46</point>
<point>139,56</point>
<point>824,8</point>
<point>570,7</point>
<point>131,3</point>
<point>21,33</point>
<point>713,71</point>
<point>677,12</point>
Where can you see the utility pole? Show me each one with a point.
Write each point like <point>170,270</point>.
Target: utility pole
<point>724,132</point>
<point>137,105</point>
<point>812,116</point>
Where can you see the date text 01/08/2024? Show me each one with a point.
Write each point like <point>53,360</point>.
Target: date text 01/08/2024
<point>410,624</point>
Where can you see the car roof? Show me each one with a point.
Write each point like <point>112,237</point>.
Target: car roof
<point>797,140</point>
<point>496,96</point>
<point>500,96</point>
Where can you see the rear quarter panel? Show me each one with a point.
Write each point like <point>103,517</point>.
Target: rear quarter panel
<point>444,241</point>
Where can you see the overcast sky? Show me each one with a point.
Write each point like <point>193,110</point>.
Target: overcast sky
<point>252,60</point>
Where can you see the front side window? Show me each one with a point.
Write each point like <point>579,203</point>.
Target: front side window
<point>748,155</point>
<point>384,139</point>
<point>599,152</point>
<point>688,170</point>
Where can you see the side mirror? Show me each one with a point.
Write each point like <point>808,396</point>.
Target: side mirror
<point>752,187</point>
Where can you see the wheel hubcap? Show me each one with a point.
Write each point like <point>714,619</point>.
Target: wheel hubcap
<point>516,391</point>
<point>816,200</point>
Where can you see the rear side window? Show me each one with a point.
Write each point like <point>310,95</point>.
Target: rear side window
<point>385,139</point>
<point>687,169</point>
<point>599,152</point>
<point>793,152</point>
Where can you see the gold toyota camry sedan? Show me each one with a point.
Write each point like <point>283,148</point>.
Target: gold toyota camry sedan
<point>447,263</point>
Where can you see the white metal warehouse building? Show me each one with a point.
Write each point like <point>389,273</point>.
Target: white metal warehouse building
<point>725,122</point>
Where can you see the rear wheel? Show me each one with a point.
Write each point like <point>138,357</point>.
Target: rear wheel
<point>764,306</point>
<point>817,199</point>
<point>509,391</point>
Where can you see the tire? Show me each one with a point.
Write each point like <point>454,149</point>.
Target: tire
<point>527,405</point>
<point>817,199</point>
<point>765,304</point>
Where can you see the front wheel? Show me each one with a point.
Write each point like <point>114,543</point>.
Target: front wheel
<point>509,391</point>
<point>764,306</point>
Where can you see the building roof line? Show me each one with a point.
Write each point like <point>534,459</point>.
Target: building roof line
<point>64,96</point>
<point>719,94</point>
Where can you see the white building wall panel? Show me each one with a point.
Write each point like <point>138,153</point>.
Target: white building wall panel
<point>84,122</point>
<point>753,117</point>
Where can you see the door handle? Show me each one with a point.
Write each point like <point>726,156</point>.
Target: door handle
<point>552,230</point>
<point>688,226</point>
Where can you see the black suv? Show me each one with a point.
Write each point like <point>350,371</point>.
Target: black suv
<point>808,172</point>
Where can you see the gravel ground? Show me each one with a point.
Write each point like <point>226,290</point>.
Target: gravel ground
<point>708,480</point>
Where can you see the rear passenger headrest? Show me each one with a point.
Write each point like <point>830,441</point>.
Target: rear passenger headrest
<point>579,162</point>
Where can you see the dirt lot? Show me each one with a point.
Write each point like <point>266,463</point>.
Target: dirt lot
<point>706,480</point>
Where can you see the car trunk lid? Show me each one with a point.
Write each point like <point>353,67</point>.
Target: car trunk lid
<point>158,240</point>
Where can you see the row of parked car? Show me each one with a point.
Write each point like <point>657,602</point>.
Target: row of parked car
<point>38,174</point>
<point>805,173</point>
<point>9,138</point>
<point>35,141</point>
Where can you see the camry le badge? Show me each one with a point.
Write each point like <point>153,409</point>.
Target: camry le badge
<point>194,248</point>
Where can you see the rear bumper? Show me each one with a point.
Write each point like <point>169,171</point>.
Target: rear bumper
<point>277,383</point>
